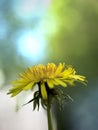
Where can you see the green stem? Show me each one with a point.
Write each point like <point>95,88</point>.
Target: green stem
<point>49,117</point>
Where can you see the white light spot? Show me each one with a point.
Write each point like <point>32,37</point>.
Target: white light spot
<point>31,46</point>
<point>28,9</point>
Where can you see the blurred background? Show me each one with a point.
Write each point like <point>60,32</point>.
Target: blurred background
<point>42,31</point>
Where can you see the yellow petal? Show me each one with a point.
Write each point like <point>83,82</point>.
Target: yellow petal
<point>50,84</point>
<point>60,82</point>
<point>68,71</point>
<point>59,68</point>
<point>44,91</point>
<point>28,86</point>
<point>15,93</point>
<point>16,88</point>
<point>78,77</point>
<point>54,82</point>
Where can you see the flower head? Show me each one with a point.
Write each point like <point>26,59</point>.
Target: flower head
<point>46,77</point>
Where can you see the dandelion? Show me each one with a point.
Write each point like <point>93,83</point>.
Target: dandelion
<point>48,78</point>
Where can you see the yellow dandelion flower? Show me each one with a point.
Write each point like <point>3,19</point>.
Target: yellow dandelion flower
<point>47,77</point>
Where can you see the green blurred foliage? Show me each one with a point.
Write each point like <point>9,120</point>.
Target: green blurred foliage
<point>76,39</point>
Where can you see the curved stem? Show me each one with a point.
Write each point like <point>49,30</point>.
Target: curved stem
<point>50,124</point>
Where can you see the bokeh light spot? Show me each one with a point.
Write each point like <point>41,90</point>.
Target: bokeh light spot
<point>31,46</point>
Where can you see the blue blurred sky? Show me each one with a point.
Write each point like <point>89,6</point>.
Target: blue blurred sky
<point>30,41</point>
